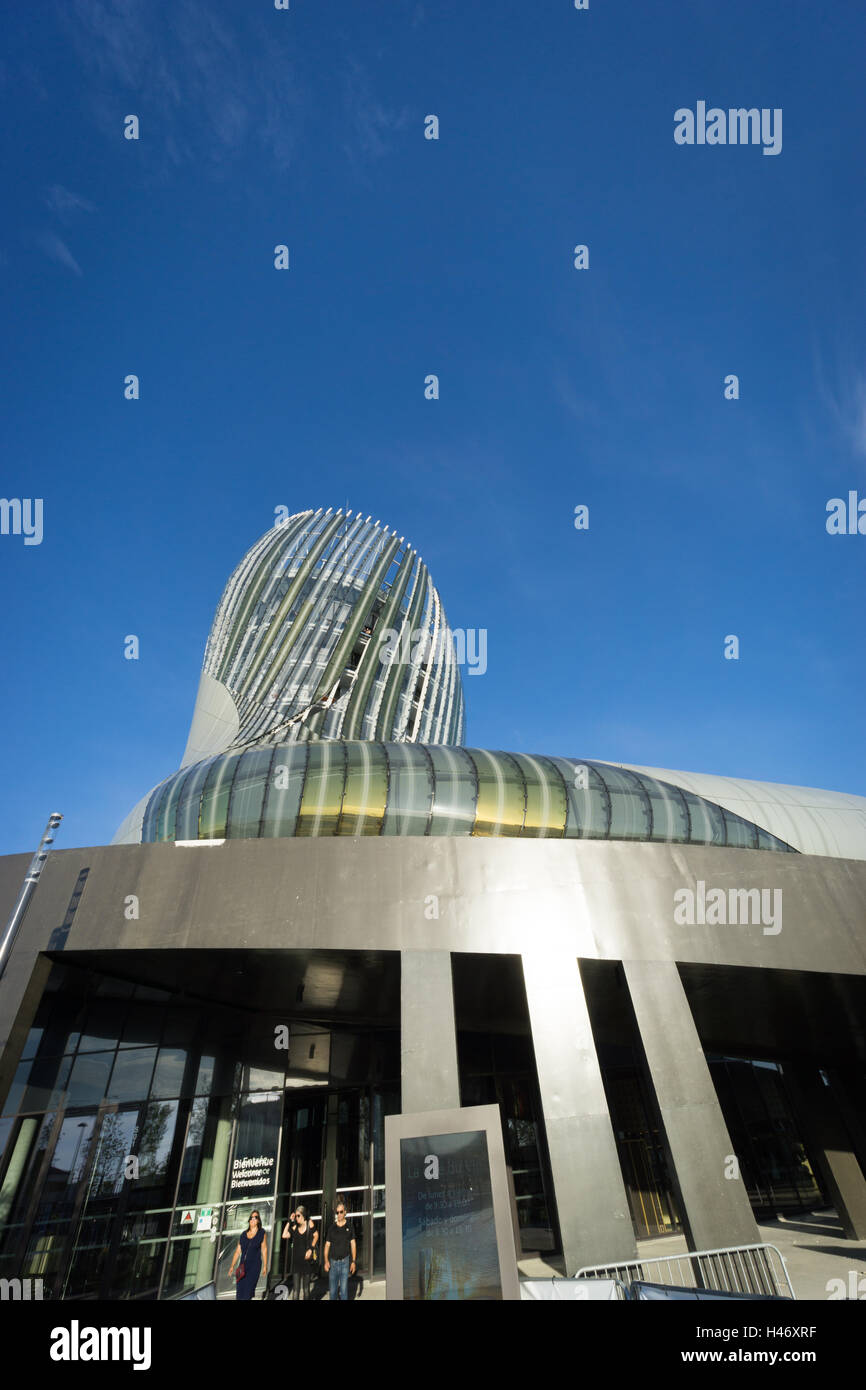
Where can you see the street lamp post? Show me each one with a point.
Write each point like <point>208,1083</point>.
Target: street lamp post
<point>28,888</point>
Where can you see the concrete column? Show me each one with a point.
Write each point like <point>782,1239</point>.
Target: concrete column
<point>827,1139</point>
<point>714,1206</point>
<point>848,1085</point>
<point>594,1217</point>
<point>428,1035</point>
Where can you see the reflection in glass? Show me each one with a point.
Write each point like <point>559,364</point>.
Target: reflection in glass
<point>169,1074</point>
<point>285,784</point>
<point>410,791</point>
<point>155,1141</point>
<point>456,792</point>
<point>323,790</point>
<point>113,1146</point>
<point>366,789</point>
<point>501,794</point>
<point>546,806</point>
<point>130,1079</point>
<point>248,793</point>
<point>89,1078</point>
<point>215,798</point>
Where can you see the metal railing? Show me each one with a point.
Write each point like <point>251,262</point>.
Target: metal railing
<point>749,1269</point>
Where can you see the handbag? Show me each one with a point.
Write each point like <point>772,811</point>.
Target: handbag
<point>240,1272</point>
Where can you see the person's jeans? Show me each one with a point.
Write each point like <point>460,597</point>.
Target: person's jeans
<point>338,1278</point>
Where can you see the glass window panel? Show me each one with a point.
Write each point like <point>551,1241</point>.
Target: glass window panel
<point>169,1074</point>
<point>768,841</point>
<point>707,821</point>
<point>114,1143</point>
<point>285,785</point>
<point>323,790</point>
<point>410,790</point>
<point>670,819</point>
<point>137,1268</point>
<point>190,1265</point>
<point>501,794</point>
<point>206,1151</point>
<point>263,1078</point>
<point>204,1080</point>
<point>546,806</point>
<point>165,827</point>
<point>629,806</point>
<point>248,793</point>
<point>215,798</point>
<point>192,1153</point>
<point>588,801</point>
<point>154,1143</point>
<point>189,803</point>
<point>455,792</point>
<point>5,1131</point>
<point>68,1165</point>
<point>130,1079</point>
<point>740,833</point>
<point>366,789</point>
<point>89,1078</point>
<point>152,810</point>
<point>48,1078</point>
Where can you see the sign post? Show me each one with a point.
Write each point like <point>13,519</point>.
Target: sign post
<point>449,1228</point>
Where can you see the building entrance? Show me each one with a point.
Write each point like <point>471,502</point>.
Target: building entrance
<point>333,1146</point>
<point>143,1126</point>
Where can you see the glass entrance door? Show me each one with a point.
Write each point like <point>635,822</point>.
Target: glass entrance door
<point>334,1145</point>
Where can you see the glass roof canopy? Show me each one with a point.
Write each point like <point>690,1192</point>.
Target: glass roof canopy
<point>357,788</point>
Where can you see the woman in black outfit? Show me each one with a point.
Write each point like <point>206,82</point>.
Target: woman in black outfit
<point>304,1238</point>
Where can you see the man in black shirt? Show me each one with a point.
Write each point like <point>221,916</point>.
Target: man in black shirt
<point>340,1253</point>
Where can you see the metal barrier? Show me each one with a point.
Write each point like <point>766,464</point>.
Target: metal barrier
<point>746,1269</point>
<point>573,1290</point>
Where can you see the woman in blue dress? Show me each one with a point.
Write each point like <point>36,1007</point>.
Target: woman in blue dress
<point>252,1254</point>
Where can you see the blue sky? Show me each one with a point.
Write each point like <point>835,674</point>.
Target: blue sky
<point>305,388</point>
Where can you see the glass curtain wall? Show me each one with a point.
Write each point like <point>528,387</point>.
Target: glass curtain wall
<point>141,1131</point>
<point>774,1164</point>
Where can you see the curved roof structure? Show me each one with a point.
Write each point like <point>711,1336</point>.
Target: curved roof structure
<point>363,788</point>
<point>810,820</point>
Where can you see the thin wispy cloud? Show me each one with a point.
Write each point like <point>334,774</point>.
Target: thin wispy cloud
<point>64,202</point>
<point>372,124</point>
<point>845,399</point>
<point>57,250</point>
<point>204,91</point>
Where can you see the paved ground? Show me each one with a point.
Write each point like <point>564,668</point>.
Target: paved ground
<point>812,1245</point>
